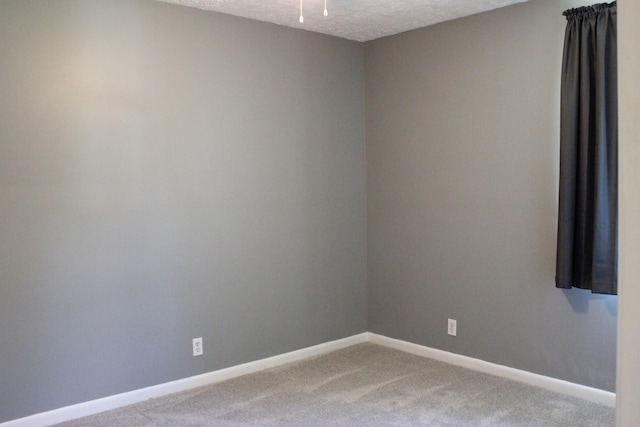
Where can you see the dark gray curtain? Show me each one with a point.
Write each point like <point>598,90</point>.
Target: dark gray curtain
<point>588,214</point>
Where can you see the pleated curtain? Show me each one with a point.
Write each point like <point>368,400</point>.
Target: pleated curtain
<point>587,249</point>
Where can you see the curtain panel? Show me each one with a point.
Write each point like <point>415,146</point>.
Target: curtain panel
<point>587,251</point>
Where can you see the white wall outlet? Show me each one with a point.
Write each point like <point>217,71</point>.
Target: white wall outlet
<point>197,347</point>
<point>452,328</point>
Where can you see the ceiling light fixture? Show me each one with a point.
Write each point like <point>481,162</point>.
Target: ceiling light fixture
<point>325,13</point>
<point>301,17</point>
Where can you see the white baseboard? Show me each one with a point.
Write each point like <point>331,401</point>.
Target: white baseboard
<point>116,401</point>
<point>112,402</point>
<point>583,392</point>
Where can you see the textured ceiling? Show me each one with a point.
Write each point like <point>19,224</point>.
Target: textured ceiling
<point>359,20</point>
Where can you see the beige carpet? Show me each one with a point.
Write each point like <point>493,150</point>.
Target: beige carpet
<point>364,385</point>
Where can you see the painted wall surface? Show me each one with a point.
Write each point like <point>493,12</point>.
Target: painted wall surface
<point>628,374</point>
<point>462,128</point>
<point>168,173</point>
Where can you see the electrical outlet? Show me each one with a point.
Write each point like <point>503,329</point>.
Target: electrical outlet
<point>452,327</point>
<point>197,347</point>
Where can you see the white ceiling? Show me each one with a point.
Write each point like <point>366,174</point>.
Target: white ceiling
<point>359,20</point>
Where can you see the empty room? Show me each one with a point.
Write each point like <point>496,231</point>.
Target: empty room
<point>313,212</point>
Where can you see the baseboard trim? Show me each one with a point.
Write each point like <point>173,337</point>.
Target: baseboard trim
<point>583,392</point>
<point>116,401</point>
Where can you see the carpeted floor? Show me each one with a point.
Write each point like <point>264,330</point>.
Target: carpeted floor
<point>364,385</point>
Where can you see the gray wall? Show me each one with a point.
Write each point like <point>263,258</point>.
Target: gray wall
<point>165,174</point>
<point>462,125</point>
